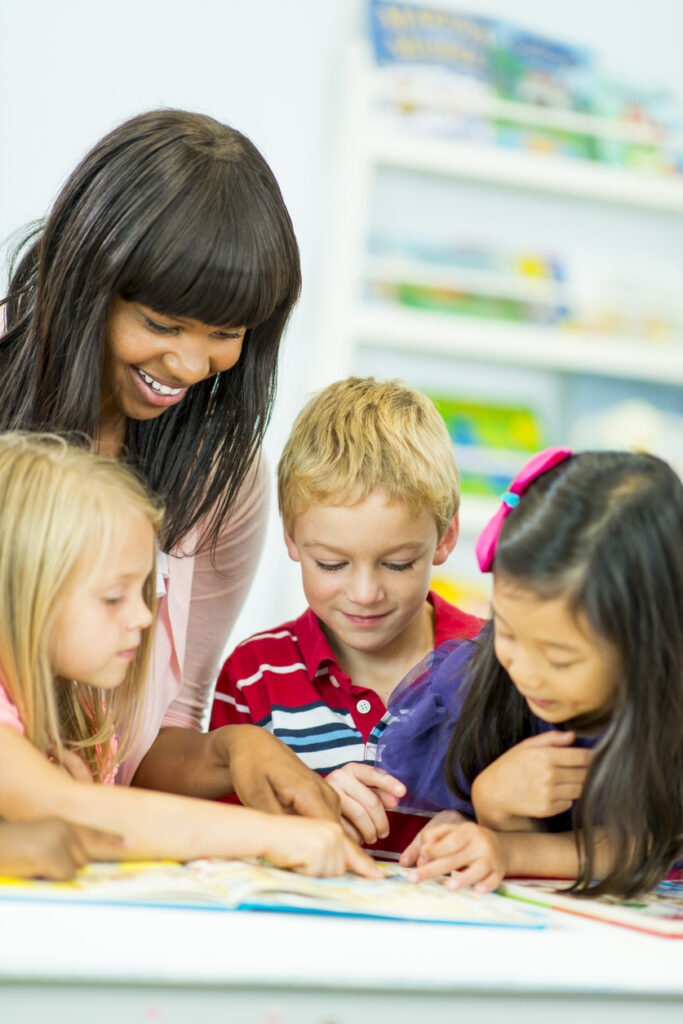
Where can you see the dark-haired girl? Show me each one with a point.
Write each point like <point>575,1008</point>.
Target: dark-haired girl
<point>145,315</point>
<point>561,727</point>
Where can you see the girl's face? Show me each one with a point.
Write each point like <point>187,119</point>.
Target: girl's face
<point>151,359</point>
<point>566,674</point>
<point>103,612</point>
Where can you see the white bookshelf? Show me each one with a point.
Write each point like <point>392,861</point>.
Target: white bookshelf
<point>636,205</point>
<point>517,169</point>
<point>518,344</point>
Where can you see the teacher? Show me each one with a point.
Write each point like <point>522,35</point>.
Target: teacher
<point>145,316</point>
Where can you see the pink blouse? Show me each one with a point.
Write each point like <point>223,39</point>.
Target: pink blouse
<point>198,602</point>
<point>9,714</point>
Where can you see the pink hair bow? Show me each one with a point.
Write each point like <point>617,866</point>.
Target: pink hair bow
<point>485,547</point>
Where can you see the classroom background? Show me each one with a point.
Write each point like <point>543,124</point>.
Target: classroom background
<point>498,224</point>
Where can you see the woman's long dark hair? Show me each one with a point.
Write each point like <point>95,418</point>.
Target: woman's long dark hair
<point>182,214</point>
<point>605,530</point>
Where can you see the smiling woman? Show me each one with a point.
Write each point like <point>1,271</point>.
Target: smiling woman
<point>145,316</point>
<point>151,360</point>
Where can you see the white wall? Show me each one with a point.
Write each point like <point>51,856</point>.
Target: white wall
<point>75,68</point>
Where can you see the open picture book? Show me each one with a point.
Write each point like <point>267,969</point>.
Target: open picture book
<point>659,912</point>
<point>251,885</point>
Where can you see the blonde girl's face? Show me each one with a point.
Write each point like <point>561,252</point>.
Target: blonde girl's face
<point>566,674</point>
<point>102,615</point>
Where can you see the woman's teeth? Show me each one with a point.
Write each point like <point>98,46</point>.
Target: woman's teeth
<point>161,389</point>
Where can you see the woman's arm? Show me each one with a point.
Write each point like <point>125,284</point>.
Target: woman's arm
<point>246,760</point>
<point>159,825</point>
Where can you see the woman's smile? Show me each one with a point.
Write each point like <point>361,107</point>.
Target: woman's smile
<point>152,359</point>
<point>155,392</point>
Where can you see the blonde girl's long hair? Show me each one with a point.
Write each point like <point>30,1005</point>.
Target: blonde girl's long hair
<point>61,508</point>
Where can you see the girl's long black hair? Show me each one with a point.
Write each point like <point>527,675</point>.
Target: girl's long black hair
<point>604,529</point>
<point>182,214</point>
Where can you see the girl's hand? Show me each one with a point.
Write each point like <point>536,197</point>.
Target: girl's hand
<point>412,852</point>
<point>538,778</point>
<point>365,792</point>
<point>315,848</point>
<point>53,848</point>
<point>471,854</point>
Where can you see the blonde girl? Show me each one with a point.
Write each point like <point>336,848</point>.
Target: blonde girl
<point>77,596</point>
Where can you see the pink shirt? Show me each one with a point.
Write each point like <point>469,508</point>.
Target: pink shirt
<point>197,607</point>
<point>9,714</point>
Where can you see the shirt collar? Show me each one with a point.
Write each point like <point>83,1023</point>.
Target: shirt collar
<point>314,645</point>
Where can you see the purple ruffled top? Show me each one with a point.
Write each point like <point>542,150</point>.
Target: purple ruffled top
<point>425,707</point>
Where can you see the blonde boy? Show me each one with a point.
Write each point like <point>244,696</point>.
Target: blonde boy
<point>368,490</point>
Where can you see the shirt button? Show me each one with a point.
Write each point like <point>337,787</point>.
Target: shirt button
<point>363,706</point>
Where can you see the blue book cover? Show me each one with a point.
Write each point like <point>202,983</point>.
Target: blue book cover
<point>403,33</point>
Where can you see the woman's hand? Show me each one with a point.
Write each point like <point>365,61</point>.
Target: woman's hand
<point>471,854</point>
<point>412,852</point>
<point>243,759</point>
<point>365,792</point>
<point>316,848</point>
<point>267,775</point>
<point>52,848</point>
<point>538,778</point>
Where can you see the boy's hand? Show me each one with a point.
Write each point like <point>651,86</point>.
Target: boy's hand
<point>365,792</point>
<point>53,848</point>
<point>477,854</point>
<point>268,775</point>
<point>316,848</point>
<point>538,778</point>
<point>412,852</point>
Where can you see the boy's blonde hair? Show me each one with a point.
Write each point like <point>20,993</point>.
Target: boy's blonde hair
<point>61,506</point>
<point>359,435</point>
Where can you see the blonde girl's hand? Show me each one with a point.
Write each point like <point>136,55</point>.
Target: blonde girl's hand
<point>470,854</point>
<point>315,847</point>
<point>366,793</point>
<point>52,848</point>
<point>412,852</point>
<point>538,778</point>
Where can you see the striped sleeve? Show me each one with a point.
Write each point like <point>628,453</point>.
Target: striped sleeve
<point>242,693</point>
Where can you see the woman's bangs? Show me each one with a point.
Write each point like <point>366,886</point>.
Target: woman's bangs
<point>196,262</point>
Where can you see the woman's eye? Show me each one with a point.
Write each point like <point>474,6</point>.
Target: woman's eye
<point>229,335</point>
<point>158,328</point>
<point>400,566</point>
<point>112,599</point>
<point>330,566</point>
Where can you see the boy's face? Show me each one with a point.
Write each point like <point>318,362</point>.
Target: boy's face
<point>366,568</point>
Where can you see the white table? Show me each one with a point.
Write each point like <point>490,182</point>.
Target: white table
<point>123,965</point>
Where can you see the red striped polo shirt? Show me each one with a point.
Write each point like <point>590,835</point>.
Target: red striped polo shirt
<point>288,681</point>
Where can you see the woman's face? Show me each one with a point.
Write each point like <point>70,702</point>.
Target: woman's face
<point>152,360</point>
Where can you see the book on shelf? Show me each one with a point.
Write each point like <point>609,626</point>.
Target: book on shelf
<point>527,91</point>
<point>405,33</point>
<point>250,885</point>
<point>659,912</point>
